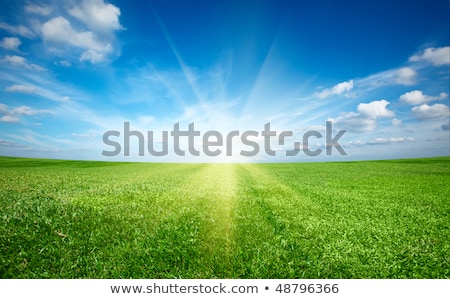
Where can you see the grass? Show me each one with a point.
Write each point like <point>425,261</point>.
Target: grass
<point>81,219</point>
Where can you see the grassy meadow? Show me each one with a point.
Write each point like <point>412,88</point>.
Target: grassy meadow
<point>367,219</point>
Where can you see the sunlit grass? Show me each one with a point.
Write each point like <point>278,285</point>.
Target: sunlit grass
<point>80,219</point>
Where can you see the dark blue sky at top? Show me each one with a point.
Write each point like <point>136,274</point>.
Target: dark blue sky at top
<point>321,37</point>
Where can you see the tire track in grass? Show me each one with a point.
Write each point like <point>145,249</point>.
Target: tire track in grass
<point>212,194</point>
<point>272,227</point>
<point>282,205</point>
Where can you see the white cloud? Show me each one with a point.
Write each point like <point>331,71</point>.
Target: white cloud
<point>391,140</point>
<point>64,63</point>
<point>87,26</point>
<point>7,143</point>
<point>9,119</point>
<point>416,97</point>
<point>365,119</point>
<point>424,112</point>
<point>342,87</point>
<point>97,15</point>
<point>405,76</point>
<point>356,143</point>
<point>396,139</point>
<point>17,30</point>
<point>13,115</point>
<point>381,140</point>
<point>10,43</point>
<point>402,76</point>
<point>94,56</point>
<point>89,136</point>
<point>60,30</point>
<point>19,61</point>
<point>396,122</point>
<point>3,108</point>
<point>43,10</point>
<point>437,56</point>
<point>25,110</point>
<point>336,90</point>
<point>355,122</point>
<point>375,109</point>
<point>21,88</point>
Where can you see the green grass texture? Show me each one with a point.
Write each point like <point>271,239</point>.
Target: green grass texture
<point>364,219</point>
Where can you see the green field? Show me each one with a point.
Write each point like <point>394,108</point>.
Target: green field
<point>80,219</point>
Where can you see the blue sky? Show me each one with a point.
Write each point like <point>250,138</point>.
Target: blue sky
<point>72,70</point>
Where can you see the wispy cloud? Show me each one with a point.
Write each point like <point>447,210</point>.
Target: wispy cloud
<point>396,122</point>
<point>18,30</point>
<point>90,136</point>
<point>43,10</point>
<point>13,115</point>
<point>416,97</point>
<point>41,141</point>
<point>396,76</point>
<point>7,143</point>
<point>21,89</point>
<point>42,84</point>
<point>365,119</point>
<point>355,122</point>
<point>405,76</point>
<point>338,89</point>
<point>10,43</point>
<point>19,61</point>
<point>381,140</point>
<point>435,56</point>
<point>425,112</point>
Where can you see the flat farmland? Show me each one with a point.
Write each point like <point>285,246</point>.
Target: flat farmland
<point>365,219</point>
